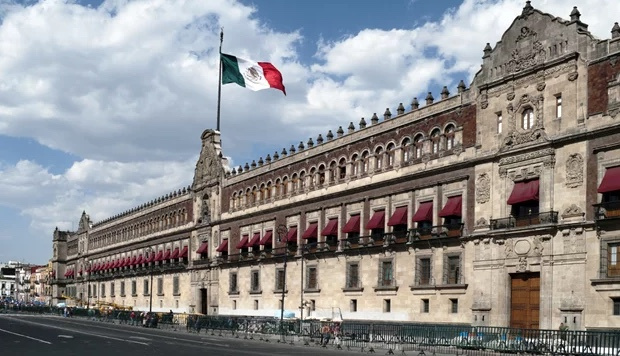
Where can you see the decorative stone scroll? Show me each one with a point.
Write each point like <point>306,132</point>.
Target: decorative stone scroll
<point>524,60</point>
<point>520,138</point>
<point>483,188</point>
<point>573,76</point>
<point>572,212</point>
<point>574,170</point>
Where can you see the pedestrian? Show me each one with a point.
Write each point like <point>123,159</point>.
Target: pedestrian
<point>325,335</point>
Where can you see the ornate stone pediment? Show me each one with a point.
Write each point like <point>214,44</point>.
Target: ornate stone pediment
<point>517,138</point>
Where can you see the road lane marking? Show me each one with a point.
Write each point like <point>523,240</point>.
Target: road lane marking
<point>66,336</point>
<point>81,332</point>
<point>26,336</point>
<point>140,338</point>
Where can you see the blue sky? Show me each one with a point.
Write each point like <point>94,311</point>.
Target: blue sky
<point>102,102</point>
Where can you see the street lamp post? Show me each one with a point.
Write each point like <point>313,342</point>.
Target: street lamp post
<point>88,266</point>
<point>282,232</point>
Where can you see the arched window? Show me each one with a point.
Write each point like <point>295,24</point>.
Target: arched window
<point>378,158</point>
<point>284,186</point>
<point>268,191</point>
<point>419,143</point>
<point>342,169</point>
<point>364,162</point>
<point>390,155</point>
<point>248,197</point>
<point>255,196</point>
<point>406,149</point>
<point>435,137</point>
<point>313,177</point>
<point>302,180</point>
<point>321,175</point>
<point>332,172</point>
<point>355,165</point>
<point>239,199</point>
<point>262,193</point>
<point>527,119</point>
<point>294,183</point>
<point>277,188</point>
<point>449,137</point>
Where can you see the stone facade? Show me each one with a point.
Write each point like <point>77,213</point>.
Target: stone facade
<point>480,208</point>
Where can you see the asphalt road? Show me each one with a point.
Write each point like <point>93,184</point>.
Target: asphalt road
<point>23,334</point>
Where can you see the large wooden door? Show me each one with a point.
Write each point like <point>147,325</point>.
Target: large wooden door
<point>203,301</point>
<point>525,300</point>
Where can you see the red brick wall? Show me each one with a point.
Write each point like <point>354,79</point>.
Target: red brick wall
<point>599,75</point>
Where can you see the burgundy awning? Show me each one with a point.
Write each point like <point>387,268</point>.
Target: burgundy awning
<point>243,243</point>
<point>175,253</point>
<point>88,269</point>
<point>255,240</point>
<point>524,191</point>
<point>140,260</point>
<point>117,263</point>
<point>424,212</point>
<point>167,254</point>
<point>183,253</point>
<point>399,217</point>
<point>133,260</point>
<point>291,235</point>
<point>331,228</point>
<point>159,256</point>
<point>453,207</point>
<point>611,180</point>
<point>311,231</point>
<point>353,225</point>
<point>204,247</point>
<point>66,273</point>
<point>106,266</point>
<point>266,240</point>
<point>377,221</point>
<point>150,257</point>
<point>223,247</point>
<point>127,261</point>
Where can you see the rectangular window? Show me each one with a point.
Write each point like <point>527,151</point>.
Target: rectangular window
<point>311,278</point>
<point>95,291</point>
<point>112,289</point>
<point>134,288</point>
<point>160,286</point>
<point>176,290</point>
<point>454,303</point>
<point>279,278</point>
<point>234,305</point>
<point>426,306</point>
<point>499,122</point>
<point>353,305</point>
<point>232,283</point>
<point>353,275</point>
<point>423,271</point>
<point>255,281</point>
<point>122,289</point>
<point>312,304</point>
<point>613,267</point>
<point>387,274</point>
<point>616,305</point>
<point>453,270</point>
<point>387,305</point>
<point>146,287</point>
<point>103,290</point>
<point>255,304</point>
<point>558,106</point>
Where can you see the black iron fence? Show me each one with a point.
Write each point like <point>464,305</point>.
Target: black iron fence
<point>367,335</point>
<point>550,217</point>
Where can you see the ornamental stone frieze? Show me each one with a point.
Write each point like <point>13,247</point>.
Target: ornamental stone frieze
<point>483,188</point>
<point>574,170</point>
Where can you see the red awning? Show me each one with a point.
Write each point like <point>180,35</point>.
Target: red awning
<point>291,235</point>
<point>424,212</point>
<point>611,180</point>
<point>255,240</point>
<point>331,229</point>
<point>127,261</point>
<point>175,253</point>
<point>223,247</point>
<point>204,247</point>
<point>117,264</point>
<point>244,242</point>
<point>399,217</point>
<point>311,231</point>
<point>266,240</point>
<point>524,191</point>
<point>88,269</point>
<point>133,260</point>
<point>167,254</point>
<point>150,257</point>
<point>159,256</point>
<point>453,207</point>
<point>66,273</point>
<point>377,221</point>
<point>353,225</point>
<point>140,260</point>
<point>106,266</point>
<point>183,253</point>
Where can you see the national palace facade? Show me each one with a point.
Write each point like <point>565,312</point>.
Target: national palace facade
<point>495,205</point>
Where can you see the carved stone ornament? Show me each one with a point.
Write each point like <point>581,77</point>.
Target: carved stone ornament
<point>541,86</point>
<point>510,96</point>
<point>509,248</point>
<point>522,265</point>
<point>457,149</point>
<point>482,222</point>
<point>483,188</point>
<point>527,137</point>
<point>573,76</point>
<point>523,60</point>
<point>525,33</point>
<point>572,211</point>
<point>484,104</point>
<point>526,156</point>
<point>574,170</point>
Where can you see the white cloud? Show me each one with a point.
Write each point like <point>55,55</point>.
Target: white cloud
<point>129,86</point>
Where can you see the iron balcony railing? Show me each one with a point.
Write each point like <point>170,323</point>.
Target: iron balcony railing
<point>550,217</point>
<point>607,210</point>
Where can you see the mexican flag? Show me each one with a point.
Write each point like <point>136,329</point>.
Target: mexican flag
<point>250,74</point>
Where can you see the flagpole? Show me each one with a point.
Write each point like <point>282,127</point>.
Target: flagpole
<point>219,83</point>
